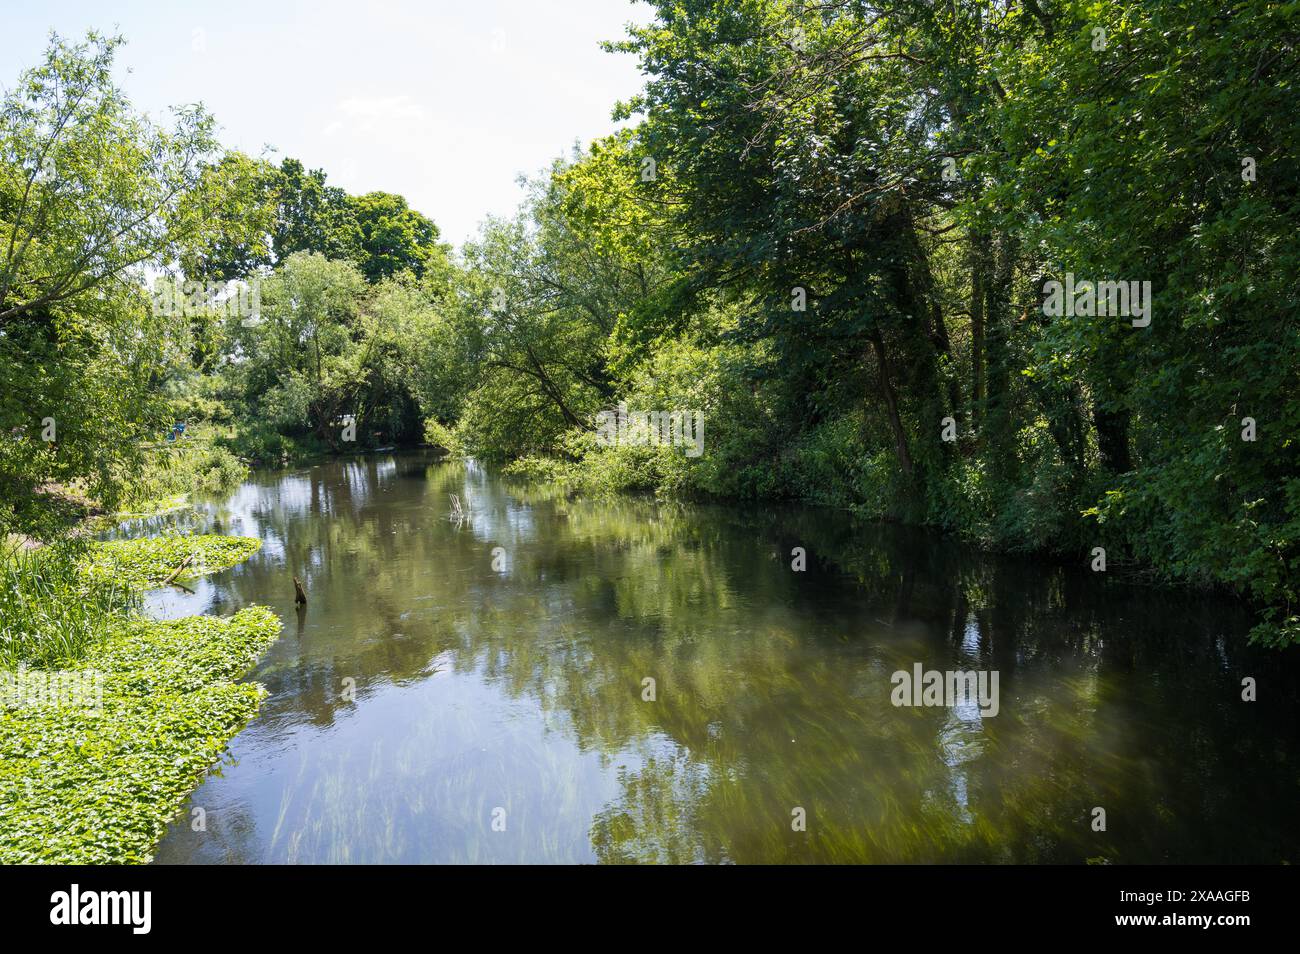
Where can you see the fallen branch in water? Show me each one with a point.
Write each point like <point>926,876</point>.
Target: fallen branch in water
<point>178,571</point>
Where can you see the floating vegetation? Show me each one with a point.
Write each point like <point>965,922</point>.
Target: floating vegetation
<point>151,561</point>
<point>98,785</point>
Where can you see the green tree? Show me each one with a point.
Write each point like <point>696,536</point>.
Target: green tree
<point>90,192</point>
<point>392,237</point>
<point>312,216</point>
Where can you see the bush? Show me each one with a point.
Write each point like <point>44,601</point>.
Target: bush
<point>442,436</point>
<point>261,442</point>
<point>196,464</point>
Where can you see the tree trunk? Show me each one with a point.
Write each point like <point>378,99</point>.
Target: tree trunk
<point>926,307</point>
<point>551,389</point>
<point>891,404</point>
<point>979,255</point>
<point>1112,439</point>
<point>1059,404</point>
<point>997,426</point>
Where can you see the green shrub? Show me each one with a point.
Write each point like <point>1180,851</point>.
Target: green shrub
<point>195,464</point>
<point>262,442</point>
<point>444,437</point>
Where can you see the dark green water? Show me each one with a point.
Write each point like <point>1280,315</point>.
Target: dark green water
<point>520,687</point>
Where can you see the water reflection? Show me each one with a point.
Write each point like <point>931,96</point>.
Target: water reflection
<point>521,687</point>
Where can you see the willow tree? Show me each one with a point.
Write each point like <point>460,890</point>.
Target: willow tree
<point>91,192</point>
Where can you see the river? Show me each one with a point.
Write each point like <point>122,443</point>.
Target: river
<point>625,680</point>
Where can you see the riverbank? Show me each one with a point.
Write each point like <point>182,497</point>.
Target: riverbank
<point>1049,522</point>
<point>101,742</point>
<point>167,476</point>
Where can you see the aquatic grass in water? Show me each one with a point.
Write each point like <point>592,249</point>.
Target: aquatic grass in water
<point>59,601</point>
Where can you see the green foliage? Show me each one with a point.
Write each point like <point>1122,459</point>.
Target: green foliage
<point>88,187</point>
<point>263,441</point>
<point>1143,178</point>
<point>51,612</point>
<point>309,215</point>
<point>806,150</point>
<point>90,190</point>
<point>98,785</point>
<point>327,350</point>
<point>392,237</point>
<point>151,560</point>
<point>195,464</point>
<point>440,435</point>
<point>96,780</point>
<point>551,470</point>
<point>825,228</point>
<point>272,213</point>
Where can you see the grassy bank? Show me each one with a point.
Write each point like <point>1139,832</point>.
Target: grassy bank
<point>93,772</point>
<point>163,478</point>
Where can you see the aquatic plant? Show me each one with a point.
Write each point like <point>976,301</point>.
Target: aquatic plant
<point>51,612</point>
<point>98,785</point>
<point>150,561</point>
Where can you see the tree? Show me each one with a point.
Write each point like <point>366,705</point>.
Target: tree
<point>294,365</point>
<point>392,237</point>
<point>90,192</point>
<point>312,216</point>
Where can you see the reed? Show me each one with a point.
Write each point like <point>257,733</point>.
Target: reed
<point>51,610</point>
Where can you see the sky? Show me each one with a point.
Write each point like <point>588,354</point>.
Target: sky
<point>445,103</point>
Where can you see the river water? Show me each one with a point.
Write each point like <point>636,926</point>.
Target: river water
<point>476,690</point>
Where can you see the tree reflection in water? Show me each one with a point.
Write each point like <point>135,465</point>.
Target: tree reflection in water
<point>522,689</point>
